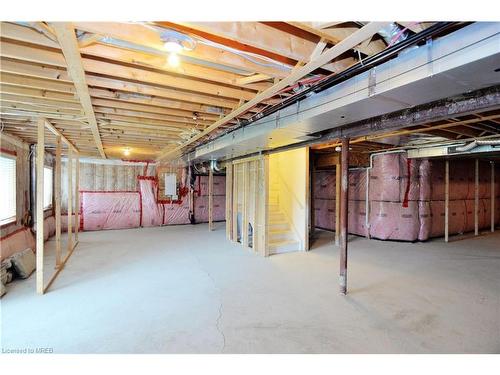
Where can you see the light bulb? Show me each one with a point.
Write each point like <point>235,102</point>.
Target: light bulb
<point>126,151</point>
<point>173,60</point>
<point>173,46</point>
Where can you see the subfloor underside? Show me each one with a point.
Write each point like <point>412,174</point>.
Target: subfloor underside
<point>183,289</point>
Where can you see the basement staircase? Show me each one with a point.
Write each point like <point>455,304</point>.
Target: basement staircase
<point>282,238</point>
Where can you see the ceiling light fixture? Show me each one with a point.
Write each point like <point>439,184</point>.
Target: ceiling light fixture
<point>173,60</point>
<point>126,151</point>
<point>174,43</point>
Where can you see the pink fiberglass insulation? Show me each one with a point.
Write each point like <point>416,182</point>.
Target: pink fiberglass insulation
<point>324,184</point>
<point>176,213</point>
<point>201,208</point>
<point>152,212</point>
<point>356,217</point>
<point>456,221</point>
<point>392,221</point>
<point>324,213</point>
<point>385,178</point>
<point>425,220</point>
<point>409,186</point>
<point>424,178</point>
<point>15,242</point>
<point>357,184</point>
<point>407,197</point>
<point>111,210</point>
<point>201,185</point>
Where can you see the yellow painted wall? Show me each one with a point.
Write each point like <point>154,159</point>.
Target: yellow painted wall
<point>290,169</point>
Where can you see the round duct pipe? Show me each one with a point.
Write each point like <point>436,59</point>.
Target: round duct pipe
<point>214,166</point>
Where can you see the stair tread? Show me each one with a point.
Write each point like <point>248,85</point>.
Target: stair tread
<point>283,242</point>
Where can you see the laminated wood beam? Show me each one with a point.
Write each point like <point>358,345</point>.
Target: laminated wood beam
<point>67,39</point>
<point>346,44</point>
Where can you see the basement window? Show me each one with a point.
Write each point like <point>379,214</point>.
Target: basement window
<point>47,187</point>
<point>7,189</point>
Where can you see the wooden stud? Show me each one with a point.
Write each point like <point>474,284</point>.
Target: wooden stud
<point>210,199</point>
<point>254,192</point>
<point>70,200</point>
<point>77,196</point>
<point>229,201</point>
<point>40,157</point>
<point>265,205</point>
<point>476,199</point>
<point>244,219</point>
<point>236,195</point>
<point>57,198</point>
<point>446,199</point>
<point>312,205</point>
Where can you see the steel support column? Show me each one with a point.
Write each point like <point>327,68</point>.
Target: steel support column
<point>344,205</point>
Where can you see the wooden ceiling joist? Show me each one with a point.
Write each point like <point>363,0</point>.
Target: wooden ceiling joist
<point>346,44</point>
<point>145,35</point>
<point>67,39</point>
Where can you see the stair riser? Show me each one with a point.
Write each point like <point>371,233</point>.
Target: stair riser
<point>279,226</point>
<point>276,216</point>
<point>284,248</point>
<point>280,236</point>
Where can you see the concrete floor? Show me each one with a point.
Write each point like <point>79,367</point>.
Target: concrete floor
<point>182,289</point>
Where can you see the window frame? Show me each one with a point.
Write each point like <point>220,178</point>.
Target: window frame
<point>51,203</point>
<point>12,219</point>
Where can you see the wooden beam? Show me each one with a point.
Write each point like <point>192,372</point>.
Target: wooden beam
<point>67,39</point>
<point>40,158</point>
<point>69,169</point>
<point>329,36</point>
<point>57,133</point>
<point>77,196</point>
<point>252,79</point>
<point>16,141</point>
<point>144,35</point>
<point>229,201</point>
<point>346,44</point>
<point>158,60</point>
<point>57,198</point>
<point>265,205</point>
<point>244,214</point>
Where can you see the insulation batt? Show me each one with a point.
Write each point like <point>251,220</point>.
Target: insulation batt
<point>111,210</point>
<point>407,198</point>
<point>201,199</point>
